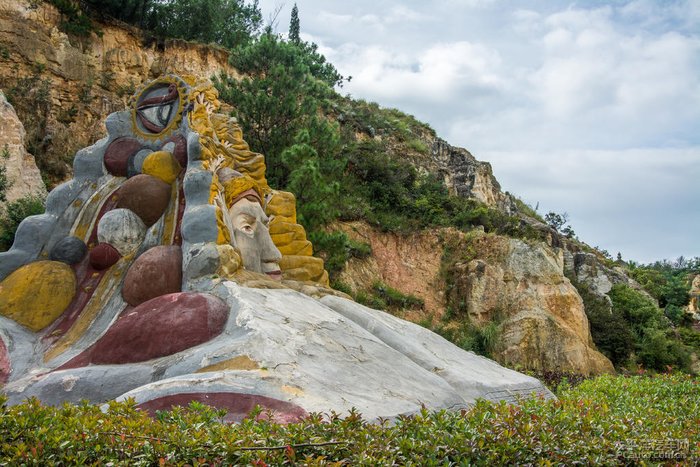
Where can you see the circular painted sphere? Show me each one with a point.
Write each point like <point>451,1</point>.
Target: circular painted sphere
<point>69,250</point>
<point>121,228</point>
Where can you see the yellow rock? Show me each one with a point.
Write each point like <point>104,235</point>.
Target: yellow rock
<point>283,204</point>
<point>297,248</point>
<point>162,165</point>
<point>302,268</point>
<point>37,293</point>
<point>242,362</point>
<point>229,261</point>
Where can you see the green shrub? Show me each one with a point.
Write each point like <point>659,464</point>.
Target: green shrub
<point>395,299</point>
<point>603,421</point>
<point>654,344</point>
<point>73,20</point>
<point>360,250</point>
<point>370,300</point>
<point>15,213</point>
<point>611,333</point>
<point>4,183</point>
<point>332,247</point>
<point>481,340</point>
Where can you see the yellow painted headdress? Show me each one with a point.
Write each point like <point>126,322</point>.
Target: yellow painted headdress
<point>240,187</point>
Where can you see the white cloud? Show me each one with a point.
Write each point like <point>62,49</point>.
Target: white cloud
<point>586,108</point>
<point>641,202</point>
<point>435,74</point>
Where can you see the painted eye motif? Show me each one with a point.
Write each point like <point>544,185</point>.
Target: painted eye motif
<point>157,115</point>
<point>247,228</point>
<point>157,107</point>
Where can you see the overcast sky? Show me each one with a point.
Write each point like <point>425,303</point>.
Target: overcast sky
<point>584,107</point>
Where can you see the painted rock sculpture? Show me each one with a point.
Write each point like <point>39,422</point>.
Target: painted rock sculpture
<point>168,270</point>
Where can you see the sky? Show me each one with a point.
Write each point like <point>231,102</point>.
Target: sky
<point>590,108</point>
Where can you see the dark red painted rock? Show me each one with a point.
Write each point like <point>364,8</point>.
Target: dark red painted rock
<point>4,363</point>
<point>146,195</point>
<point>162,326</point>
<point>104,256</point>
<point>238,406</point>
<point>117,155</point>
<point>180,151</point>
<point>156,272</point>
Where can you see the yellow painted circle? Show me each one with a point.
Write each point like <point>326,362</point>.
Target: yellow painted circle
<point>37,293</point>
<point>162,165</point>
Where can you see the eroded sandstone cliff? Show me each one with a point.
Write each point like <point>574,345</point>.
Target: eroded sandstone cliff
<point>518,286</point>
<point>22,175</point>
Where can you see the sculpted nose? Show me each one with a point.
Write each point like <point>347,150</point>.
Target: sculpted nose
<point>270,253</point>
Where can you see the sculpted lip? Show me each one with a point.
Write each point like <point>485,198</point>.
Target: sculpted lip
<point>276,275</point>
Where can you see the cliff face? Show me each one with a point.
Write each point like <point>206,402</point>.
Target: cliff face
<point>540,315</point>
<point>83,81</point>
<point>23,177</point>
<point>469,178</point>
<point>519,286</point>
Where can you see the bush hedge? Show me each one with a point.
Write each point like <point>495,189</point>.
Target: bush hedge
<point>603,421</point>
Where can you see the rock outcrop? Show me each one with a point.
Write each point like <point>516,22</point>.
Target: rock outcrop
<point>519,285</point>
<point>23,177</point>
<point>588,269</point>
<point>469,178</point>
<point>522,287</point>
<point>408,263</point>
<point>694,303</point>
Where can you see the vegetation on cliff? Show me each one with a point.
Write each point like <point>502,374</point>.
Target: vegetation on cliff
<point>603,421</point>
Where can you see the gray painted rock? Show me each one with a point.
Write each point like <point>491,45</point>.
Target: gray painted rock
<point>122,229</point>
<point>156,272</point>
<point>69,250</point>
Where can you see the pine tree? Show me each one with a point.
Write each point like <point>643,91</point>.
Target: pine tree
<point>294,26</point>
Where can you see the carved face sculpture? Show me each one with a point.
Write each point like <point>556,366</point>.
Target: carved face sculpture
<point>252,238</point>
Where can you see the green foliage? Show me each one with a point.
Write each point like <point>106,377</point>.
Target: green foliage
<point>691,338</point>
<point>4,181</point>
<point>278,99</point>
<point>311,179</point>
<point>667,281</point>
<point>360,250</point>
<point>526,209</point>
<point>395,299</point>
<point>332,247</point>
<point>31,98</point>
<point>294,25</point>
<point>336,248</point>
<point>15,213</point>
<point>654,344</point>
<point>481,340</point>
<point>597,422</point>
<point>73,20</point>
<point>371,300</point>
<point>611,332</point>
<point>229,23</point>
<point>558,223</point>
<point>137,12</point>
<point>361,116</point>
